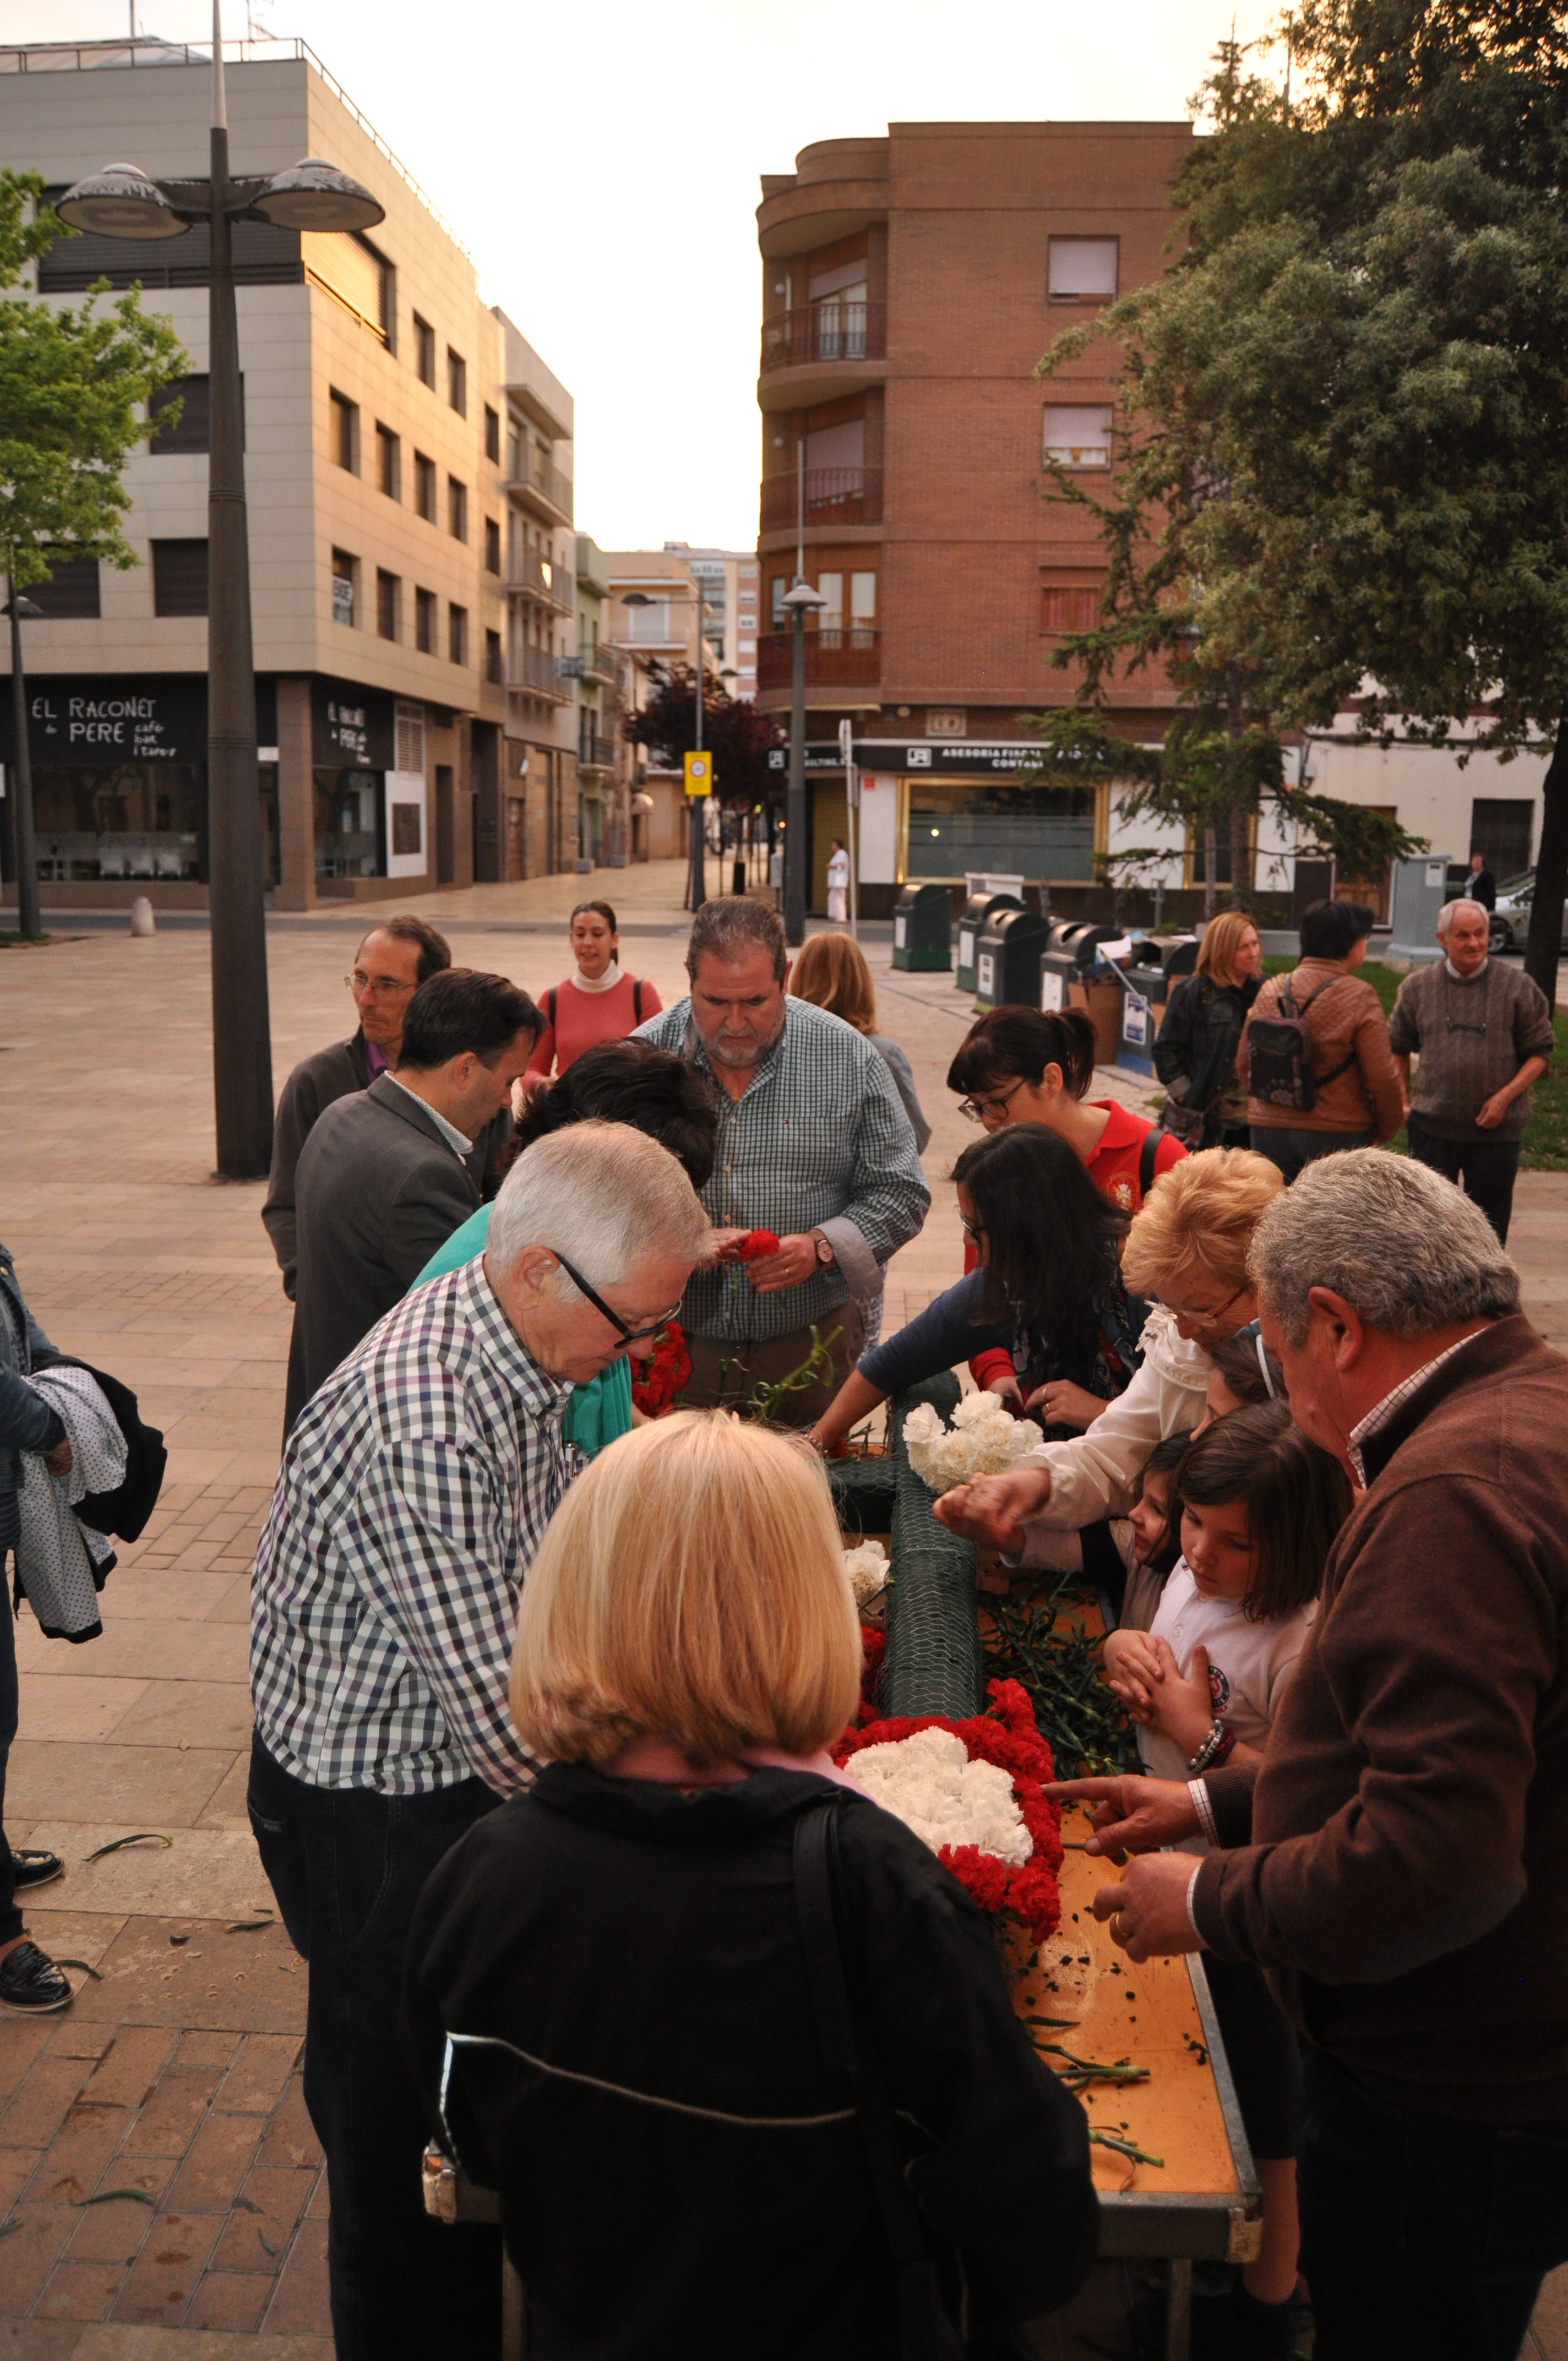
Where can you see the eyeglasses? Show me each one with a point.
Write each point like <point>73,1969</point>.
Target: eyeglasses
<point>1206,1320</point>
<point>976,1110</point>
<point>628,1335</point>
<point>975,1230</point>
<point>378,987</point>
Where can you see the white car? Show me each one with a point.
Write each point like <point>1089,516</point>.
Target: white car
<point>1510,919</point>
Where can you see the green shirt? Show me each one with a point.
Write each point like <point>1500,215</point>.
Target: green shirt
<point>598,1412</point>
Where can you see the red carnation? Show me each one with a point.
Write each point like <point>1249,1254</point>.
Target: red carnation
<point>755,1245</point>
<point>656,1383</point>
<point>980,1873</point>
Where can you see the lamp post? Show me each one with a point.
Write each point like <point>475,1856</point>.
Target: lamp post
<point>798,600</point>
<point>123,202</point>
<point>696,884</point>
<point>24,844</point>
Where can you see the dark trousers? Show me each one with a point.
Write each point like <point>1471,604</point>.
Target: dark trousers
<point>347,1865</point>
<point>723,1375</point>
<point>10,1531</point>
<point>1293,1146</point>
<point>1424,2238</point>
<point>1486,1167</point>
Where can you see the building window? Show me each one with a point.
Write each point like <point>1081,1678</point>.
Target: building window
<point>1077,434</point>
<point>424,487</point>
<point>457,382</point>
<point>178,577</point>
<point>862,598</point>
<point>493,435</point>
<point>831,616</point>
<point>492,545</point>
<point>1082,270</point>
<point>70,594</point>
<point>457,634</point>
<point>424,621</point>
<point>345,432</point>
<point>425,351</point>
<point>390,462</point>
<point>344,585</point>
<point>947,721</point>
<point>457,509</point>
<point>493,658</point>
<point>409,737</point>
<point>388,592</point>
<point>192,431</point>
<point>1069,606</point>
<point>777,586</point>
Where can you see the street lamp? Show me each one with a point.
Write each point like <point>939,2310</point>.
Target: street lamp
<point>797,601</point>
<point>123,202</point>
<point>698,887</point>
<point>24,844</point>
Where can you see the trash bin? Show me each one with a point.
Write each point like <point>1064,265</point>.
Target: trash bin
<point>923,927</point>
<point>1058,974</point>
<point>1081,941</point>
<point>977,913</point>
<point>1137,1021</point>
<point>1007,960</point>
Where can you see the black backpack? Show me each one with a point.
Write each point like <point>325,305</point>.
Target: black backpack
<point>1279,1054</point>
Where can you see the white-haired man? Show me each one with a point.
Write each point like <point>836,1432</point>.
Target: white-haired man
<point>1398,1861</point>
<point>414,1489</point>
<point>1483,1033</point>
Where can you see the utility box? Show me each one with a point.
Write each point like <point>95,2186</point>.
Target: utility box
<point>977,915</point>
<point>1007,960</point>
<point>923,928</point>
<point>1419,891</point>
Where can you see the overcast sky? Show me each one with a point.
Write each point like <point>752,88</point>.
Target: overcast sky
<point>602,164</point>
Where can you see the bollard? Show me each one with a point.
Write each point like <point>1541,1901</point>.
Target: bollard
<point>142,920</point>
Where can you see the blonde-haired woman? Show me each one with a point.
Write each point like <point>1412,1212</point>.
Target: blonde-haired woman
<point>617,1963</point>
<point>1195,1055</point>
<point>830,972</point>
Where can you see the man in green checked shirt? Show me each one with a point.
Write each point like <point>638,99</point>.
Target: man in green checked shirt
<point>813,1143</point>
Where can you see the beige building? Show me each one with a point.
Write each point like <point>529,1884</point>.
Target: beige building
<point>728,580</point>
<point>408,473</point>
<point>658,629</point>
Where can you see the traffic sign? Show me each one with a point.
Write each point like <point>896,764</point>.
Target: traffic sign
<point>699,774</point>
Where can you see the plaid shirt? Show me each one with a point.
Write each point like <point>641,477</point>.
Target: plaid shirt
<point>818,1141</point>
<point>414,1490</point>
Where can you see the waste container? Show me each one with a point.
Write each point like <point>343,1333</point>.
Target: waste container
<point>923,927</point>
<point>1081,941</point>
<point>1058,974</point>
<point>1007,960</point>
<point>977,915</point>
<point>1137,1019</point>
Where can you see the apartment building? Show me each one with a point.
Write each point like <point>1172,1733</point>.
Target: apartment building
<point>408,463</point>
<point>605,760</point>
<point>652,619</point>
<point>729,582</point>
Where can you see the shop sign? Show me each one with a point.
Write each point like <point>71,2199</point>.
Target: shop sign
<point>114,719</point>
<point>352,727</point>
<point>962,759</point>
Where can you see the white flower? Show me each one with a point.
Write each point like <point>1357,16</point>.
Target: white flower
<point>930,1783</point>
<point>984,1440</point>
<point>867,1570</point>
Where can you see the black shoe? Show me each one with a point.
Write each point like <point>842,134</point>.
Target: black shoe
<point>30,1983</point>
<point>35,1868</point>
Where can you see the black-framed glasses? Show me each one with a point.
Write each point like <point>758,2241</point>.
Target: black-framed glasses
<point>975,1230</point>
<point>628,1335</point>
<point>997,1104</point>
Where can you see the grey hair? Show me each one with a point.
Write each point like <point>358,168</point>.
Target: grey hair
<point>603,1195</point>
<point>1403,1245</point>
<point>1445,915</point>
<point>731,927</point>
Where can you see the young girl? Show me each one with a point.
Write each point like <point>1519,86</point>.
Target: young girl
<point>1150,1535</point>
<point>1244,1371</point>
<point>1260,1506</point>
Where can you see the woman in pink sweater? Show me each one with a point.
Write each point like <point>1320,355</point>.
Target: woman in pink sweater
<point>597,1003</point>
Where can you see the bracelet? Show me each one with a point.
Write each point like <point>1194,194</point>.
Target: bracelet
<point>1213,1751</point>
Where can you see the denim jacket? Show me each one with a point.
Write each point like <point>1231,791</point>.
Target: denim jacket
<point>26,1421</point>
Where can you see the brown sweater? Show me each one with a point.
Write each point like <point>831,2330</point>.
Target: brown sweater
<point>1403,1870</point>
<point>1346,1020</point>
<point>1472,1035</point>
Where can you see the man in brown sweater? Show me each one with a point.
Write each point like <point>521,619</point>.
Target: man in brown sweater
<point>1360,1100</point>
<point>1399,1862</point>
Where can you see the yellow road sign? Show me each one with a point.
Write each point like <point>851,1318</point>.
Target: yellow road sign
<point>699,774</point>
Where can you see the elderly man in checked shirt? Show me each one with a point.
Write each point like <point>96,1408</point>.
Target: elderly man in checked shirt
<point>414,1490</point>
<point>813,1143</point>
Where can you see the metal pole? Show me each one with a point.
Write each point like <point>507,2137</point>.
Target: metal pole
<point>242,1049</point>
<point>794,807</point>
<point>698,859</point>
<point>851,821</point>
<point>24,842</point>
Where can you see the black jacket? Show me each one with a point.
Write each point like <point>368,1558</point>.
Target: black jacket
<point>621,1944</point>
<point>1198,1042</point>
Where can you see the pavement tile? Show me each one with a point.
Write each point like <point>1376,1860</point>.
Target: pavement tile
<point>205,2049</point>
<point>41,2340</point>
<point>22,2039</point>
<point>29,2254</point>
<point>301,2304</point>
<point>156,1785</point>
<point>74,2036</point>
<point>133,2063</point>
<point>17,2166</point>
<point>231,2300</point>
<point>226,1804</point>
<point>256,2080</point>
<point>114,2232</point>
<point>167,2124</point>
<point>163,2278</point>
<point>141,1648</point>
<point>34,2116</point>
<point>58,1705</point>
<point>290,2138</point>
<point>274,2202</point>
<point>161,1713</point>
<point>113,2342</point>
<point>243,1984</point>
<point>76,2290</point>
<point>72,2164</point>
<point>215,2163</point>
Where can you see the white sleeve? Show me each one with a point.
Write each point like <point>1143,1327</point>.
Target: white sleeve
<point>1096,1475</point>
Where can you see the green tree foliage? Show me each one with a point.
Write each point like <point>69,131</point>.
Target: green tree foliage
<point>735,733</point>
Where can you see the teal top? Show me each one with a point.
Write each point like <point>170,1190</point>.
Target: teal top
<point>598,1412</point>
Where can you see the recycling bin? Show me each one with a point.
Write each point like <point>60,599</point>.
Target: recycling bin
<point>1081,941</point>
<point>1058,974</point>
<point>1007,960</point>
<point>923,928</point>
<point>977,915</point>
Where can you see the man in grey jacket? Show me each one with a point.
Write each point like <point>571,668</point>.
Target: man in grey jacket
<point>382,1180</point>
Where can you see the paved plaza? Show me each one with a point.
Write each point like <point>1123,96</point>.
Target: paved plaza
<point>175,2075</point>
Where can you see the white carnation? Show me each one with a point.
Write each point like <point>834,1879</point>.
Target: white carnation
<point>984,1440</point>
<point>930,1783</point>
<point>867,1570</point>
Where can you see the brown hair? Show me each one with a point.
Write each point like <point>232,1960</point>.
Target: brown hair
<point>1238,1361</point>
<point>1200,1216</point>
<point>434,952</point>
<point>830,972</point>
<point>1018,1044</point>
<point>1222,941</point>
<point>1297,1497</point>
<point>603,910</point>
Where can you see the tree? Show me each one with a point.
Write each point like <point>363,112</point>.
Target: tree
<point>736,734</point>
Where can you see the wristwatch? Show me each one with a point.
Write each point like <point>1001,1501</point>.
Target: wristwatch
<point>825,1254</point>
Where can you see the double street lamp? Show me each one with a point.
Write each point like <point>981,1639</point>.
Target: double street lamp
<point>123,202</point>
<point>799,602</point>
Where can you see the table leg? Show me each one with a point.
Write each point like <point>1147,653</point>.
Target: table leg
<point>1178,2308</point>
<point>514,2317</point>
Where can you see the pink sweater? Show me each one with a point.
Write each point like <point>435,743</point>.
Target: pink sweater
<point>581,1018</point>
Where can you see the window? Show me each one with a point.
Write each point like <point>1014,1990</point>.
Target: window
<point>345,584</point>
<point>388,462</point>
<point>831,616</point>
<point>1500,826</point>
<point>389,590</point>
<point>862,598</point>
<point>345,432</point>
<point>424,487</point>
<point>517,451</point>
<point>424,621</point>
<point>947,721</point>
<point>457,634</point>
<point>457,382</point>
<point>493,435</point>
<point>778,620</point>
<point>493,657</point>
<point>349,267</point>
<point>1069,606</point>
<point>425,351</point>
<point>190,431</point>
<point>178,577</point>
<point>1077,435</point>
<point>1082,270</point>
<point>457,509</point>
<point>492,545</point>
<point>70,594</point>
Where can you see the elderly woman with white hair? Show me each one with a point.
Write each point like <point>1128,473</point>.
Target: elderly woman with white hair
<point>415,1489</point>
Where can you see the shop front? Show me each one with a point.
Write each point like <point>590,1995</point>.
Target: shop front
<point>369,802</point>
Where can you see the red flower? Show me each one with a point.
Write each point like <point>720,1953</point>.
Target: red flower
<point>755,1244</point>
<point>980,1873</point>
<point>656,1383</point>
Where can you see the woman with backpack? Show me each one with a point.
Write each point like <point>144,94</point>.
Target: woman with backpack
<point>1195,1055</point>
<point>1314,1056</point>
<point>595,1003</point>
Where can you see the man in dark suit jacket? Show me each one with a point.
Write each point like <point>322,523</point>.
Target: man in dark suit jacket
<point>382,1180</point>
<point>1481,885</point>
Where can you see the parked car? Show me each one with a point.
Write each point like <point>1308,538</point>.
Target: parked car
<point>1510,919</point>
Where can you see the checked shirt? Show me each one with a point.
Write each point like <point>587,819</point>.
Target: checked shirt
<point>818,1141</point>
<point>414,1490</point>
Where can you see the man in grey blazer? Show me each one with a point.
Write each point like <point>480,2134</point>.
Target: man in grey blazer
<point>382,1182</point>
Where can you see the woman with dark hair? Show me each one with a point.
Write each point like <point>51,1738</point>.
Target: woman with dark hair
<point>1046,1289</point>
<point>596,1003</point>
<point>1336,1085</point>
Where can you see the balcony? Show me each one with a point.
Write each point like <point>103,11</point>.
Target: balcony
<point>834,496</point>
<point>531,672</point>
<point>600,664</point>
<point>532,577</point>
<point>834,659</point>
<point>596,754</point>
<point>824,332</point>
<point>547,492</point>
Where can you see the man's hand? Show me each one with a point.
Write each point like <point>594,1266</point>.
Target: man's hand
<point>1148,1914</point>
<point>1493,1110</point>
<point>58,1461</point>
<point>992,1507</point>
<point>795,1262</point>
<point>1066,1404</point>
<point>1131,1814</point>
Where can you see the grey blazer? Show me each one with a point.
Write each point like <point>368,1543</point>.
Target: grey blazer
<point>377,1190</point>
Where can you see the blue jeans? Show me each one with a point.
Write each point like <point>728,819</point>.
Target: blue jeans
<point>347,1865</point>
<point>1291,1147</point>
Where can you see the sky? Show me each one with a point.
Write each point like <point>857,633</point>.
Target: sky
<point>601,163</point>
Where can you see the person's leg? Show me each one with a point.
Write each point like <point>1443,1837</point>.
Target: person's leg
<point>1312,1147</point>
<point>1442,1155</point>
<point>1265,2061</point>
<point>1268,1139</point>
<point>1489,1170</point>
<point>728,1375</point>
